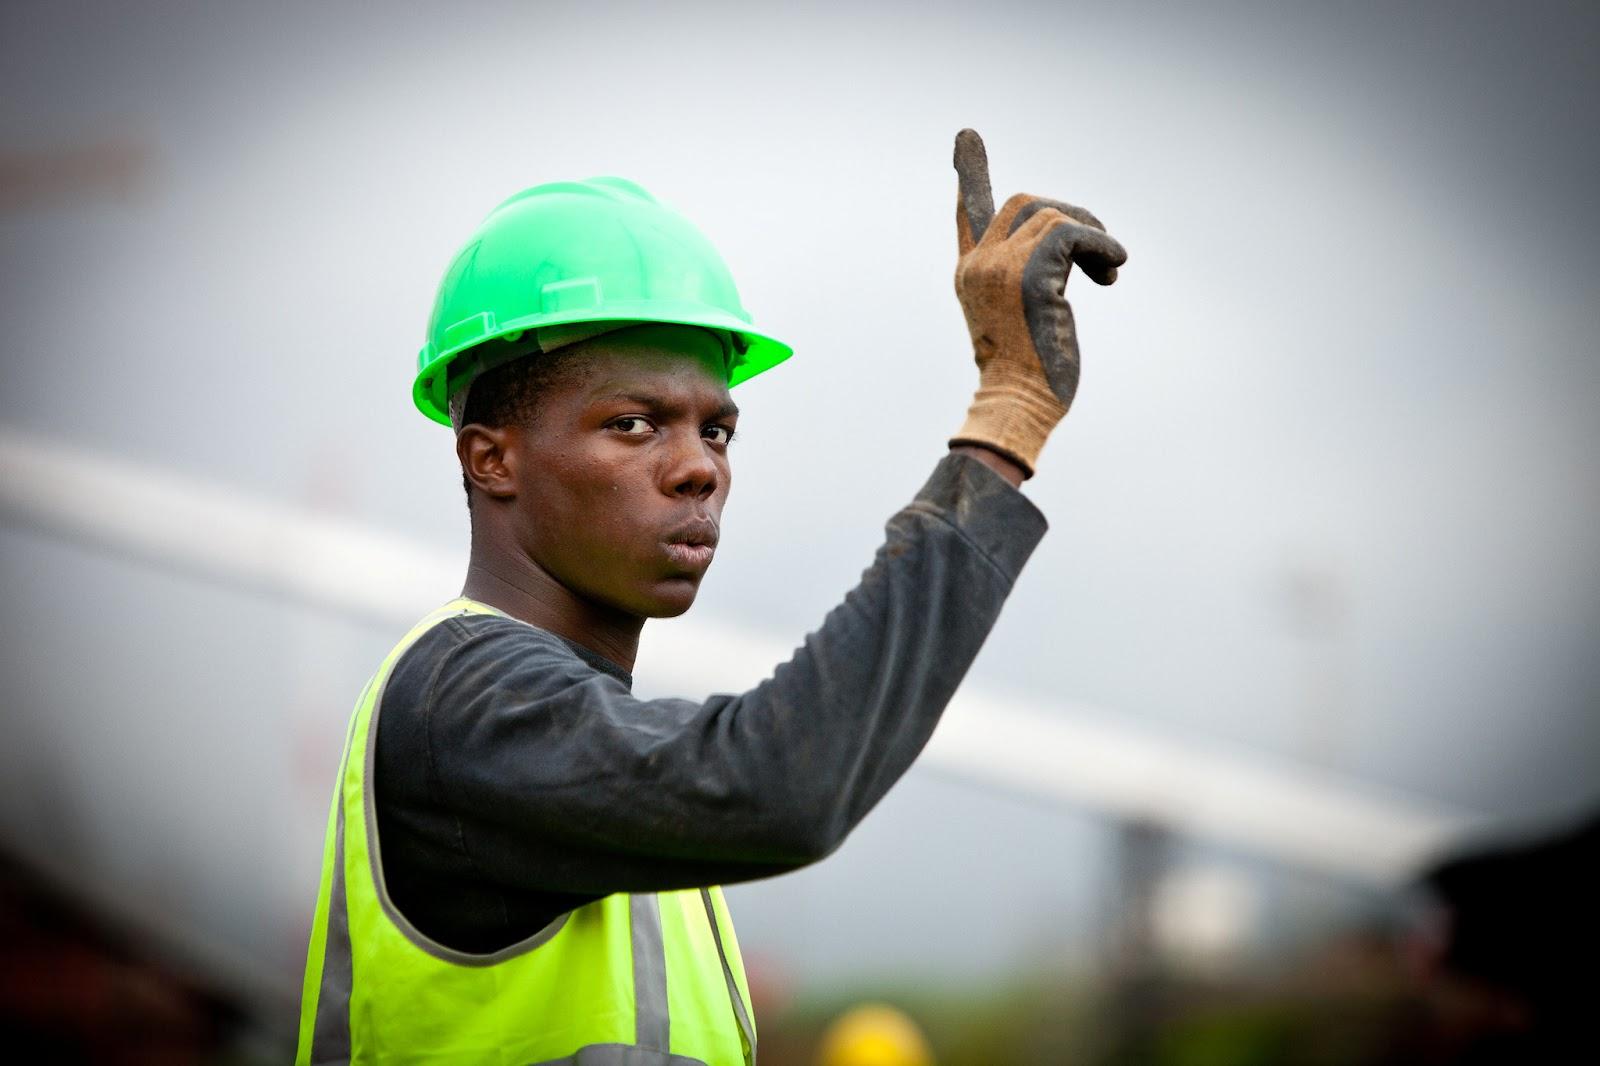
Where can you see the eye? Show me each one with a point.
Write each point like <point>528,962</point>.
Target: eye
<point>632,425</point>
<point>718,434</point>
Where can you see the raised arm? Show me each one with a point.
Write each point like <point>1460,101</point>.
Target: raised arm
<point>576,786</point>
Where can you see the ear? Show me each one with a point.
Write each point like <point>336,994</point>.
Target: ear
<point>488,458</point>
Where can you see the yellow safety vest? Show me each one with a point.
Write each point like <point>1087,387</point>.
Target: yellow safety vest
<point>634,979</point>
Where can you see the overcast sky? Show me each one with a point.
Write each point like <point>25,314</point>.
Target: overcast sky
<point>1328,490</point>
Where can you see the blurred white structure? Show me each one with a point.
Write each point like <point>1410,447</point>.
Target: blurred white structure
<point>1062,751</point>
<point>1203,915</point>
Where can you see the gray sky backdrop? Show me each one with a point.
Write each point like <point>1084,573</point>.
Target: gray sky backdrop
<point>1328,491</point>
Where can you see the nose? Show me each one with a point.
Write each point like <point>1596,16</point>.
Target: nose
<point>691,470</point>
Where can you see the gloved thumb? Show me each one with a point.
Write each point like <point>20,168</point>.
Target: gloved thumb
<point>974,198</point>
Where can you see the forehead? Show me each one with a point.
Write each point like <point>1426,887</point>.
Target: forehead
<point>691,367</point>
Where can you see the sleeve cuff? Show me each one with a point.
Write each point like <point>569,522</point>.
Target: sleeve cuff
<point>996,518</point>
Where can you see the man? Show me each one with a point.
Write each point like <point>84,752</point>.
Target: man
<point>549,843</point>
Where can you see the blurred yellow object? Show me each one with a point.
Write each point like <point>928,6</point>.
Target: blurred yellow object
<point>874,1034</point>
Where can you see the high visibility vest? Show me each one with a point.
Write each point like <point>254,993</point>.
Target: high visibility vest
<point>634,979</point>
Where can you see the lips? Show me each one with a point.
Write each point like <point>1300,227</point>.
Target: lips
<point>692,544</point>
<point>698,532</point>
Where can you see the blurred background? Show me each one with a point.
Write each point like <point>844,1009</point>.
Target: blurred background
<point>1285,748</point>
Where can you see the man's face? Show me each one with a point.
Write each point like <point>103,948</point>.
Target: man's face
<point>624,473</point>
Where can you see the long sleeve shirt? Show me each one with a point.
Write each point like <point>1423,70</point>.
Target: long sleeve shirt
<point>517,777</point>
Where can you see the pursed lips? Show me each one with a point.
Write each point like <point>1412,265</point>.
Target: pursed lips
<point>692,544</point>
<point>698,532</point>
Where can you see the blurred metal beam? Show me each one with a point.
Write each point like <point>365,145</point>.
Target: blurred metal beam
<point>1056,750</point>
<point>179,523</point>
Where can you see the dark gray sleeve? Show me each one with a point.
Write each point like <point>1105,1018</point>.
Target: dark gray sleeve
<point>571,784</point>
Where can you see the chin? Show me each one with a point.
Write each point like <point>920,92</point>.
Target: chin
<point>671,602</point>
<point>671,608</point>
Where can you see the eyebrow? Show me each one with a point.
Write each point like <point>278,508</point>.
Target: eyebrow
<point>728,409</point>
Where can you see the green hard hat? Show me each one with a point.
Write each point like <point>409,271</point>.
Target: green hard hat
<point>598,250</point>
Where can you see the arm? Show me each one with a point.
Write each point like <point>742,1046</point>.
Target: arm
<point>570,784</point>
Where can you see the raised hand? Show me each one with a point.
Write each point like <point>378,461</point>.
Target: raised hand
<point>1011,279</point>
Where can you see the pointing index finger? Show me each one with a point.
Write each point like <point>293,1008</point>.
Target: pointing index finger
<point>977,199</point>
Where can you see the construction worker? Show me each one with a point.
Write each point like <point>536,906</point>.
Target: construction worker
<point>550,844</point>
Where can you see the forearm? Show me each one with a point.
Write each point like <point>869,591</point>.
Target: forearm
<point>846,716</point>
<point>641,795</point>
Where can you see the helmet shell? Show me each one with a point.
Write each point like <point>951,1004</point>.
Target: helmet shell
<point>598,250</point>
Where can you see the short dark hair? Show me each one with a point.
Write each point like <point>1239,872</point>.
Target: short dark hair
<point>509,394</point>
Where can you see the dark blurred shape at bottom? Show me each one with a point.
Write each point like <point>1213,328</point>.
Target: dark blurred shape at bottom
<point>1508,967</point>
<point>75,991</point>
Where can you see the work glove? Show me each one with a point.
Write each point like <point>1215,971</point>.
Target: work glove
<point>1011,279</point>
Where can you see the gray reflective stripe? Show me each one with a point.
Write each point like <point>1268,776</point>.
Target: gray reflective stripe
<point>330,1039</point>
<point>620,1055</point>
<point>330,1034</point>
<point>652,1026</point>
<point>727,972</point>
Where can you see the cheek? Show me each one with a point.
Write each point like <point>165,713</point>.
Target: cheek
<point>585,503</point>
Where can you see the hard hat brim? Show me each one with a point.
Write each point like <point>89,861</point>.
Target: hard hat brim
<point>761,352</point>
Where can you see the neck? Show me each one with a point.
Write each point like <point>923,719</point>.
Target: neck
<point>503,576</point>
